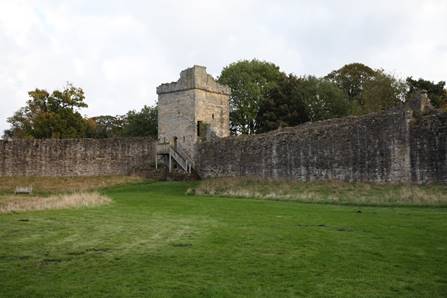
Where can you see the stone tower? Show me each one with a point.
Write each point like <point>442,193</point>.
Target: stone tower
<point>194,108</point>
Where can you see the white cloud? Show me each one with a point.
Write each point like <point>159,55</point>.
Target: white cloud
<point>119,51</point>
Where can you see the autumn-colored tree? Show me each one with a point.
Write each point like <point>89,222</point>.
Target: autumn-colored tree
<point>54,115</point>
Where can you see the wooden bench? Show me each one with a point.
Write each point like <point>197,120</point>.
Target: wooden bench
<point>24,190</point>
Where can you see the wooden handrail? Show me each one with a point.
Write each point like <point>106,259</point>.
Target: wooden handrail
<point>181,160</point>
<point>178,154</point>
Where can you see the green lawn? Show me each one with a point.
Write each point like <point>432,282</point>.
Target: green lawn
<point>153,240</point>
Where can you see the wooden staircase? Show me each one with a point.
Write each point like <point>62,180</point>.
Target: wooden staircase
<point>176,155</point>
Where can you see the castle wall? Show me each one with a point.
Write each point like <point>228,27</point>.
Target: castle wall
<point>74,157</point>
<point>428,148</point>
<point>387,147</point>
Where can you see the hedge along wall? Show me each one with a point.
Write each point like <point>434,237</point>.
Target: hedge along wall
<point>387,147</point>
<point>74,157</point>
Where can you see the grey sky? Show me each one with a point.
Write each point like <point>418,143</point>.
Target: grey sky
<point>119,51</point>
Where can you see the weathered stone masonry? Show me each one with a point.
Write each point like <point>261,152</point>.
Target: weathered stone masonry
<point>388,147</point>
<point>196,98</point>
<point>407,145</point>
<point>74,157</point>
<point>428,148</point>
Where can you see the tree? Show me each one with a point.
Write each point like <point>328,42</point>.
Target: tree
<point>133,124</point>
<point>106,126</point>
<point>436,92</point>
<point>54,115</point>
<point>382,93</point>
<point>250,83</point>
<point>352,78</point>
<point>285,106</point>
<point>297,100</point>
<point>323,99</point>
<point>368,90</point>
<point>142,123</point>
<point>21,126</point>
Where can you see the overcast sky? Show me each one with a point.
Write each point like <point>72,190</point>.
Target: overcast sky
<point>119,51</point>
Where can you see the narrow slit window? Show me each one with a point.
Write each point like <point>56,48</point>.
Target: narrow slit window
<point>199,124</point>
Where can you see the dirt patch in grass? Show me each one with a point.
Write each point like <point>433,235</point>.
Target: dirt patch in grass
<point>64,184</point>
<point>15,204</point>
<point>324,192</point>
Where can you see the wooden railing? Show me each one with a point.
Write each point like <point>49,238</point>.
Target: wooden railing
<point>183,162</point>
<point>179,155</point>
<point>185,155</point>
<point>163,148</point>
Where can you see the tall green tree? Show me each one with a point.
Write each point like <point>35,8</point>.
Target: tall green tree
<point>134,123</point>
<point>382,93</point>
<point>323,99</point>
<point>284,106</point>
<point>436,91</point>
<point>297,100</point>
<point>368,90</point>
<point>351,78</point>
<point>250,82</point>
<point>106,126</point>
<point>142,123</point>
<point>54,115</point>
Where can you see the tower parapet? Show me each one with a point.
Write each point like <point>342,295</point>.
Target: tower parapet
<point>195,77</point>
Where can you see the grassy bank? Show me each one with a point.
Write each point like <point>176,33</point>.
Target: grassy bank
<point>14,204</point>
<point>50,185</point>
<point>153,240</point>
<point>325,192</point>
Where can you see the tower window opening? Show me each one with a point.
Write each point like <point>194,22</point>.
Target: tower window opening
<point>212,116</point>
<point>199,124</point>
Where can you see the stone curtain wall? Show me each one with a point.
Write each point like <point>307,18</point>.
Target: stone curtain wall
<point>428,148</point>
<point>74,157</point>
<point>388,147</point>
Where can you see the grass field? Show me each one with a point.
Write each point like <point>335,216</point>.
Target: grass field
<point>153,240</point>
